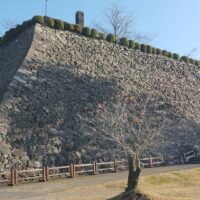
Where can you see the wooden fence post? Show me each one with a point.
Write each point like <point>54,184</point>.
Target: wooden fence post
<point>72,170</point>
<point>12,177</point>
<point>150,162</point>
<point>47,173</point>
<point>44,174</point>
<point>184,160</point>
<point>15,176</point>
<point>165,160</point>
<point>95,168</point>
<point>115,166</point>
<point>179,160</point>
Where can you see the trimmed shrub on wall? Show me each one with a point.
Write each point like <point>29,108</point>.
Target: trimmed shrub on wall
<point>86,31</point>
<point>94,33</point>
<point>78,28</point>
<point>153,50</point>
<point>68,26</point>
<point>158,51</point>
<point>164,52</point>
<point>185,59</point>
<point>191,61</point>
<point>144,48</point>
<point>169,55</point>
<point>110,38</point>
<point>176,56</point>
<point>149,49</point>
<point>59,24</point>
<point>197,63</point>
<point>131,44</point>
<point>50,22</point>
<point>124,42</point>
<point>38,19</point>
<point>137,46</point>
<point>27,24</point>
<point>102,36</point>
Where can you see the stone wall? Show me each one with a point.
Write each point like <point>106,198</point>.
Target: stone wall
<point>65,76</point>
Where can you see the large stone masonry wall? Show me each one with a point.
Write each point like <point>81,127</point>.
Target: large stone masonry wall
<point>65,76</point>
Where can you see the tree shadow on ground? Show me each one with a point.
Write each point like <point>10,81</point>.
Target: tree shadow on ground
<point>130,195</point>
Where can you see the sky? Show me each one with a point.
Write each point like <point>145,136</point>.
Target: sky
<point>174,24</point>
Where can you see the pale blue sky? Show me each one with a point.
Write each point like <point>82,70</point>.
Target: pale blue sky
<point>174,22</point>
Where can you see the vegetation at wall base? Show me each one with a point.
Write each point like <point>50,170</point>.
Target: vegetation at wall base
<point>93,33</point>
<point>86,31</point>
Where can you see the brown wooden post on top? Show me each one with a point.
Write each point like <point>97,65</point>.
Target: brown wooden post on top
<point>115,166</point>
<point>12,176</point>
<point>80,18</point>
<point>150,162</point>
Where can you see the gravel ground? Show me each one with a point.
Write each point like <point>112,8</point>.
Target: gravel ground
<point>79,188</point>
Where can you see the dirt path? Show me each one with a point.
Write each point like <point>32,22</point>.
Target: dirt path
<point>80,188</point>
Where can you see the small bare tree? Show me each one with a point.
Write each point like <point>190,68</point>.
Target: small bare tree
<point>121,24</point>
<point>131,124</point>
<point>7,24</point>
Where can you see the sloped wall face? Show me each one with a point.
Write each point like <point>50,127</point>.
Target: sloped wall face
<point>65,78</point>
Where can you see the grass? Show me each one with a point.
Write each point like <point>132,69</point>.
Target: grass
<point>181,185</point>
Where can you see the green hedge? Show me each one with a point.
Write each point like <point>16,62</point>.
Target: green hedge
<point>38,19</point>
<point>102,36</point>
<point>94,33</point>
<point>144,48</point>
<point>149,49</point>
<point>131,44</point>
<point>169,55</point>
<point>68,26</point>
<point>86,31</point>
<point>78,28</point>
<point>124,42</point>
<point>111,38</point>
<point>50,22</point>
<point>137,46</point>
<point>176,56</point>
<point>59,24</point>
<point>185,59</point>
<point>158,51</point>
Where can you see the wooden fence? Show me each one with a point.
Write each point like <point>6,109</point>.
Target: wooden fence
<point>14,176</point>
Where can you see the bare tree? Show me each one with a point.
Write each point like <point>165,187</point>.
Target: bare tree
<point>130,123</point>
<point>121,24</point>
<point>7,24</point>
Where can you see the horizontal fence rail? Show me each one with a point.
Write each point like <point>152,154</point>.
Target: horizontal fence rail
<point>15,176</point>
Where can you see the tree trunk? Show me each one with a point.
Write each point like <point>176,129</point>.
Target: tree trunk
<point>134,172</point>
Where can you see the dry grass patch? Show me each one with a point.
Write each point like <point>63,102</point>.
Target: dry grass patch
<point>182,185</point>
